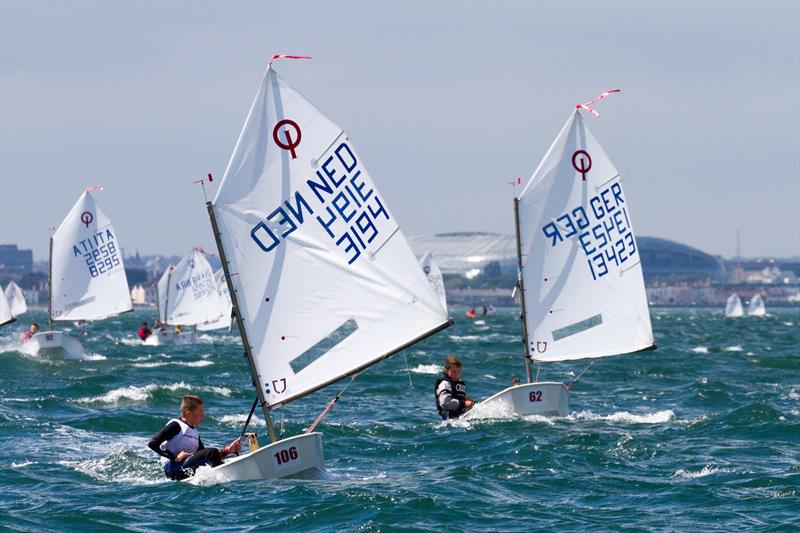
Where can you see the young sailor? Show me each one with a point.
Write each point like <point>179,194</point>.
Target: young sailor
<point>451,393</point>
<point>34,329</point>
<point>144,331</point>
<point>179,445</point>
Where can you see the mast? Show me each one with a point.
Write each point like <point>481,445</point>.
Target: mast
<point>166,296</point>
<point>521,286</point>
<point>240,322</point>
<point>50,289</point>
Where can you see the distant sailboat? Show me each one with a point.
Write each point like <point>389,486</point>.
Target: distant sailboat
<point>756,307</point>
<point>322,280</point>
<point>734,308</point>
<point>434,275</point>
<point>187,297</point>
<point>6,317</point>
<point>580,285</point>
<point>16,299</point>
<point>223,303</point>
<point>87,277</point>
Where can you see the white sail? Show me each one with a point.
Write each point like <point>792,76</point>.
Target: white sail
<point>186,292</point>
<point>733,308</point>
<point>223,304</point>
<point>756,307</point>
<point>16,299</point>
<point>324,278</point>
<point>434,275</point>
<point>6,316</point>
<point>584,290</point>
<point>88,279</point>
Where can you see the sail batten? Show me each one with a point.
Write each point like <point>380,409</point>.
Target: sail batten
<point>580,267</point>
<point>87,274</point>
<point>324,279</point>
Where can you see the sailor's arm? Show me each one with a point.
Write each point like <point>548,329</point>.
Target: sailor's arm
<point>166,433</point>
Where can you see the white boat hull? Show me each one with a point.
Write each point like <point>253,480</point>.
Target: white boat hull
<point>54,344</point>
<point>298,457</point>
<point>170,338</point>
<point>544,398</point>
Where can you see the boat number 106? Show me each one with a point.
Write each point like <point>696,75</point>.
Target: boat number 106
<point>284,456</point>
<point>535,396</point>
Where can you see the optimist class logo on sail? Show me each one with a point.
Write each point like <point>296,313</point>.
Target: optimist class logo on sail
<point>339,197</point>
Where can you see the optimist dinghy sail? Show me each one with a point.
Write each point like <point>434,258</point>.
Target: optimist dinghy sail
<point>756,307</point>
<point>6,317</point>
<point>322,280</point>
<point>223,304</point>
<point>187,297</point>
<point>434,275</point>
<point>733,308</point>
<point>581,287</point>
<point>16,299</point>
<point>87,275</point>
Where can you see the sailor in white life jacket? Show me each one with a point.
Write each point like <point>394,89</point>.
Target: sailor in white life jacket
<point>179,445</point>
<point>451,393</point>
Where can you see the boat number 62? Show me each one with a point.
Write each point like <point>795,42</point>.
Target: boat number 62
<point>535,396</point>
<point>284,456</point>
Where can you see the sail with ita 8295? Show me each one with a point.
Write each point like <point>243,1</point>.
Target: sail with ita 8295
<point>322,280</point>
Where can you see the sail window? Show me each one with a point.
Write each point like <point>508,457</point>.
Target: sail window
<point>324,346</point>
<point>577,327</point>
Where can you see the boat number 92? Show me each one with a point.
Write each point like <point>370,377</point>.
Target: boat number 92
<point>535,396</point>
<point>286,455</point>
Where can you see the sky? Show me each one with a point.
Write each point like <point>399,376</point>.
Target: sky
<point>446,102</point>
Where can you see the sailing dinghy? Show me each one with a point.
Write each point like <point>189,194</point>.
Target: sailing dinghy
<point>87,277</point>
<point>223,304</point>
<point>733,308</point>
<point>187,296</point>
<point>6,316</point>
<point>16,299</point>
<point>322,280</point>
<point>434,275</point>
<point>756,307</point>
<point>580,283</point>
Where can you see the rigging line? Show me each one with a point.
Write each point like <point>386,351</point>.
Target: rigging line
<point>574,381</point>
<point>331,404</point>
<point>252,410</point>
<point>408,371</point>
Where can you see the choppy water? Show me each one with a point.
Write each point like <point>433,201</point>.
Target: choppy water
<point>703,434</point>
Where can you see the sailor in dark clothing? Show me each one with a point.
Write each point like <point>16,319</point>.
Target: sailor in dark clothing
<point>451,393</point>
<point>179,445</point>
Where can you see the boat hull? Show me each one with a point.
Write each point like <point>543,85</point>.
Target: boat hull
<point>544,398</point>
<point>170,338</point>
<point>298,457</point>
<point>53,344</point>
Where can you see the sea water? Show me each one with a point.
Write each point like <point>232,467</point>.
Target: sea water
<point>702,434</point>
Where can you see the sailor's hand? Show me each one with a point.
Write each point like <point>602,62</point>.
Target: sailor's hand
<point>181,456</point>
<point>234,447</point>
<point>468,403</point>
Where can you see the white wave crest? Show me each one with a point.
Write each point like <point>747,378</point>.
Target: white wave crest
<point>139,394</point>
<point>735,348</point>
<point>238,421</point>
<point>658,417</point>
<point>174,363</point>
<point>700,349</point>
<point>703,472</point>
<point>426,369</point>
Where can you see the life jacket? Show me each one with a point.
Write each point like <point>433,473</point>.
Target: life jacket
<point>458,389</point>
<point>186,441</point>
<point>26,336</point>
<point>144,333</point>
